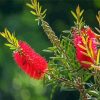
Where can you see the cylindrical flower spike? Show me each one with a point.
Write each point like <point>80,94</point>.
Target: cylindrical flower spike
<point>85,44</point>
<point>29,61</point>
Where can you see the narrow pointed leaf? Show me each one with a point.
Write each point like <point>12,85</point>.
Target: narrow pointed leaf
<point>98,57</point>
<point>84,53</point>
<point>74,15</point>
<point>78,10</point>
<point>34,13</point>
<point>29,5</point>
<point>86,62</point>
<point>90,47</point>
<point>82,47</point>
<point>81,12</point>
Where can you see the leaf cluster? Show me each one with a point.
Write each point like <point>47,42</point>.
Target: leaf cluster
<point>64,73</point>
<point>64,70</point>
<point>98,17</point>
<point>13,42</point>
<point>78,17</point>
<point>37,10</point>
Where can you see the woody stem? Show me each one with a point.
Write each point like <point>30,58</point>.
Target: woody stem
<point>81,89</point>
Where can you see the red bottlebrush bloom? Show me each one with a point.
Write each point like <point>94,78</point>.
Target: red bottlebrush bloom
<point>29,61</point>
<point>86,50</point>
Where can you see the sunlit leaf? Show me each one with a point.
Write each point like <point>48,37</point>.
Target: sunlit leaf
<point>98,57</point>
<point>29,5</point>
<point>84,53</point>
<point>43,13</point>
<point>13,42</point>
<point>81,12</point>
<point>83,40</point>
<point>86,62</point>
<point>98,17</point>
<point>93,93</point>
<point>96,67</point>
<point>74,15</point>
<point>78,10</point>
<point>87,77</point>
<point>34,13</point>
<point>82,47</point>
<point>37,9</point>
<point>90,47</point>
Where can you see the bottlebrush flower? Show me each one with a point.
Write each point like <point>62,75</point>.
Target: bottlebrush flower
<point>85,44</point>
<point>29,61</point>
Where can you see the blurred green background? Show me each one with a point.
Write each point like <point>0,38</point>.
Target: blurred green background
<point>15,15</point>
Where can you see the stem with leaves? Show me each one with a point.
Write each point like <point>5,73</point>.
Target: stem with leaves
<point>13,42</point>
<point>37,11</point>
<point>78,17</point>
<point>80,86</point>
<point>77,82</point>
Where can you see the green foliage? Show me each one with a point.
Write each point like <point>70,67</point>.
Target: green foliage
<point>37,10</point>
<point>64,70</point>
<point>98,17</point>
<point>13,42</point>
<point>78,17</point>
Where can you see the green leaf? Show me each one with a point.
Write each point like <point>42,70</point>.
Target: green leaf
<point>93,93</point>
<point>52,92</point>
<point>13,42</point>
<point>70,76</point>
<point>86,62</point>
<point>9,45</point>
<point>43,13</point>
<point>37,9</point>
<point>52,48</point>
<point>87,77</point>
<point>84,53</point>
<point>49,51</point>
<point>75,16</point>
<point>98,30</point>
<point>78,10</point>
<point>34,13</point>
<point>2,34</point>
<point>82,47</point>
<point>81,12</point>
<point>29,5</point>
<point>66,31</point>
<point>13,48</point>
<point>98,57</point>
<point>56,58</point>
